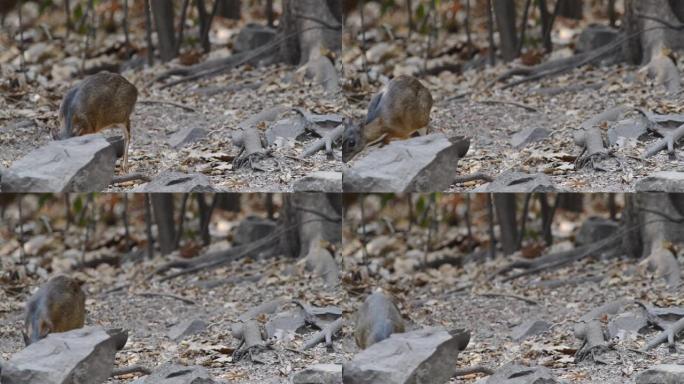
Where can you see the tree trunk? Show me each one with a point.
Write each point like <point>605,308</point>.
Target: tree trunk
<point>163,19</point>
<point>309,27</point>
<point>654,35</point>
<point>572,9</point>
<point>230,9</point>
<point>657,217</point>
<point>307,217</point>
<point>505,213</point>
<point>162,209</point>
<point>504,10</point>
<point>573,202</point>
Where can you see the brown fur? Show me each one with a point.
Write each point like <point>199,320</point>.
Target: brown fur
<point>57,306</point>
<point>377,319</point>
<point>98,102</point>
<point>403,109</point>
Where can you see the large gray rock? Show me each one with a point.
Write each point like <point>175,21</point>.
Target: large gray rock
<point>528,136</point>
<point>671,182</point>
<point>529,328</point>
<point>320,181</point>
<point>289,128</point>
<point>662,374</point>
<point>253,228</point>
<point>177,182</point>
<point>83,356</point>
<point>285,323</point>
<point>596,36</point>
<point>79,164</point>
<point>421,164</point>
<point>253,36</point>
<point>426,356</point>
<point>319,374</point>
<point>626,326</point>
<point>627,129</point>
<point>520,374</point>
<point>177,374</point>
<point>186,135</point>
<point>594,229</point>
<point>518,182</point>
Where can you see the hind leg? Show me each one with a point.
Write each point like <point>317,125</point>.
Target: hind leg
<point>127,141</point>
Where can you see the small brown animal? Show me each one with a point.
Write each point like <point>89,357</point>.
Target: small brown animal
<point>377,319</point>
<point>101,100</point>
<point>57,306</point>
<point>403,108</point>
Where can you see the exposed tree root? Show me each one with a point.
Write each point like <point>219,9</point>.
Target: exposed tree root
<point>130,369</point>
<point>326,142</point>
<point>666,142</point>
<point>326,334</point>
<point>668,335</point>
<point>474,369</point>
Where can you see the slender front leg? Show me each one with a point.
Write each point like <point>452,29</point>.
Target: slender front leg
<point>127,141</point>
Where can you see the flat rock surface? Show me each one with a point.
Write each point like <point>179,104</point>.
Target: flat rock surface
<point>322,181</point>
<point>422,356</point>
<point>426,163</point>
<point>671,182</point>
<point>83,355</point>
<point>662,374</point>
<point>78,164</point>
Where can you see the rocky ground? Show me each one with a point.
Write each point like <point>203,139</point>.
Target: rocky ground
<point>215,107</point>
<point>469,296</point>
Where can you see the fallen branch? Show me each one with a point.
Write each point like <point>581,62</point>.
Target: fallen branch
<point>130,369</point>
<point>169,295</point>
<point>473,177</point>
<point>668,335</point>
<point>324,142</point>
<point>560,66</point>
<point>667,142</point>
<point>513,296</point>
<point>556,260</point>
<point>130,177</point>
<point>507,102</point>
<point>166,102</point>
<point>326,334</point>
<point>474,369</point>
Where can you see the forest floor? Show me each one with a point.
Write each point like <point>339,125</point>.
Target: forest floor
<point>469,102</point>
<point>220,104</point>
<point>52,63</point>
<point>451,296</point>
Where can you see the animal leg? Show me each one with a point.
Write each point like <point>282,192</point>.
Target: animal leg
<point>127,141</point>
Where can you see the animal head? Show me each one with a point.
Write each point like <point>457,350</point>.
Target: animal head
<point>35,330</point>
<point>352,140</point>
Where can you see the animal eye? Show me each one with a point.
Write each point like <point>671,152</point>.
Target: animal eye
<point>351,142</point>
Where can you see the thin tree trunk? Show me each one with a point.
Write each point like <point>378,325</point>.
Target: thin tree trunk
<point>504,203</point>
<point>162,10</point>
<point>148,35</point>
<point>490,30</point>
<point>505,13</point>
<point>163,211</point>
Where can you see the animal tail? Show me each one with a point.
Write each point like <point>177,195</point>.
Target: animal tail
<point>66,113</point>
